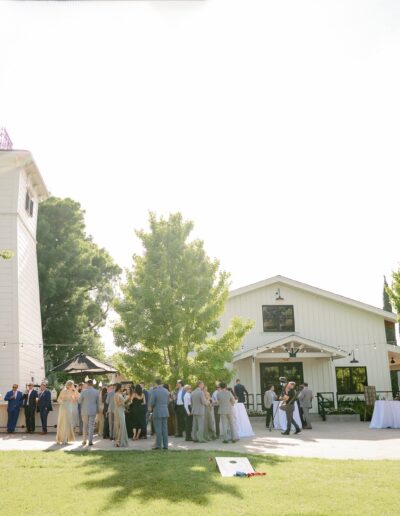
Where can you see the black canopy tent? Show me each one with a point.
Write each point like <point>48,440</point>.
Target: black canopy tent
<point>84,364</point>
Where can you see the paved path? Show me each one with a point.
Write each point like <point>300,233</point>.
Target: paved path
<point>328,441</point>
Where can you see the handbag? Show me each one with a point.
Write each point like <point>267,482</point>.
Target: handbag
<point>283,407</point>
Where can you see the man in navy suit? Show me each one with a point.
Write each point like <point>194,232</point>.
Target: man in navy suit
<point>44,406</point>
<point>29,402</point>
<point>14,399</point>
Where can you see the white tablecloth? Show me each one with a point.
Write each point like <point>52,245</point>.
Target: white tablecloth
<point>386,414</point>
<point>280,420</point>
<point>242,421</point>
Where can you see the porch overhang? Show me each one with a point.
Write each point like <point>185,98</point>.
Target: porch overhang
<point>292,346</point>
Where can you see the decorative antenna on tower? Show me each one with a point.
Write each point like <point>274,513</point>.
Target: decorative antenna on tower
<point>5,140</point>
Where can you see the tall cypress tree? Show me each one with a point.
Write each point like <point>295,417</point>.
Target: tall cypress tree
<point>387,305</point>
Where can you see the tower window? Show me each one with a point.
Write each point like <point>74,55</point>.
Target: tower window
<point>28,204</point>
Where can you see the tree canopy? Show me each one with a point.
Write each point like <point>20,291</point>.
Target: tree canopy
<point>77,281</point>
<point>170,312</point>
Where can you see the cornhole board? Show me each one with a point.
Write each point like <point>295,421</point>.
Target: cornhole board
<point>228,466</point>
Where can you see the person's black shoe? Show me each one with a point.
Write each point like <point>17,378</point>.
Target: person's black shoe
<point>297,431</point>
<point>285,433</point>
<point>90,444</point>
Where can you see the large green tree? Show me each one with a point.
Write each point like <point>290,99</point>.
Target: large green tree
<point>77,282</point>
<point>172,301</point>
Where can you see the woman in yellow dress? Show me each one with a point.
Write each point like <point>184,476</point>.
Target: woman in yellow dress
<point>67,400</point>
<point>120,433</point>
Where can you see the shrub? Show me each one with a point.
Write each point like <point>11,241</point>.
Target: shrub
<point>340,411</point>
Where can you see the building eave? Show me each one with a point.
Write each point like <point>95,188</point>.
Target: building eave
<point>24,159</point>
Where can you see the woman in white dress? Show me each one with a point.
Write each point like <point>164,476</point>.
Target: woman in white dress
<point>67,400</point>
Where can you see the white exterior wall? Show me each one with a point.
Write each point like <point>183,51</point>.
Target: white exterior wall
<point>322,320</point>
<point>20,321</point>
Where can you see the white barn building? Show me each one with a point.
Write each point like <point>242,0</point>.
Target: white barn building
<point>304,333</point>
<point>21,341</point>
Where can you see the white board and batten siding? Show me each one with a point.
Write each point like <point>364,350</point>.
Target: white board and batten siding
<point>320,316</point>
<point>21,358</point>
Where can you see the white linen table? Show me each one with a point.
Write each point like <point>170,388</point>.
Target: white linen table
<point>386,414</point>
<point>242,421</point>
<point>280,420</point>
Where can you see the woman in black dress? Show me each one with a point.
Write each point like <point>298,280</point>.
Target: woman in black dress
<point>139,411</point>
<point>129,412</point>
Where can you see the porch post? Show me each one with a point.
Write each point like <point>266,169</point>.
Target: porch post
<point>334,383</point>
<point>253,379</point>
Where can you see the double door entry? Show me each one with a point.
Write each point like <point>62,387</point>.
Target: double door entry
<point>270,374</point>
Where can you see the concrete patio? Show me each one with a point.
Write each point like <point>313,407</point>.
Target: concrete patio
<point>328,441</point>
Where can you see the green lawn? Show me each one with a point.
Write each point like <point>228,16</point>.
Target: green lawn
<point>187,483</point>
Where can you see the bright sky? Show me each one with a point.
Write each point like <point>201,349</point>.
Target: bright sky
<point>274,126</point>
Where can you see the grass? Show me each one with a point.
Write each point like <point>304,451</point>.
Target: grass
<point>187,483</point>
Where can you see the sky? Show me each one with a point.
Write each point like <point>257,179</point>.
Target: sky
<point>273,126</point>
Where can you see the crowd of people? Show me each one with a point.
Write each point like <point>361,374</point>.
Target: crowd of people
<point>288,397</point>
<point>122,413</point>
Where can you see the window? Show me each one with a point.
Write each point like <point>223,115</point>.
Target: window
<point>278,318</point>
<point>351,380</point>
<point>28,204</point>
<point>390,333</point>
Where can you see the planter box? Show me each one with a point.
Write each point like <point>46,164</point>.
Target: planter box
<point>343,418</point>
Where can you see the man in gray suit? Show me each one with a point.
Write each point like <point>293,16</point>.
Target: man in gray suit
<point>89,402</point>
<point>305,397</point>
<point>110,410</point>
<point>159,399</point>
<point>226,400</point>
<point>269,398</point>
<point>199,403</point>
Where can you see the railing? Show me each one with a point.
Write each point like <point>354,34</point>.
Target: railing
<point>325,400</point>
<point>254,402</point>
<point>353,399</point>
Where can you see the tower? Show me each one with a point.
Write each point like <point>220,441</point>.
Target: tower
<point>21,341</point>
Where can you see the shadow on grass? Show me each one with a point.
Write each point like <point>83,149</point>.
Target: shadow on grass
<point>172,476</point>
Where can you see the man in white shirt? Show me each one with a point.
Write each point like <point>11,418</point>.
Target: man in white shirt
<point>179,408</point>
<point>187,403</point>
<point>29,404</point>
<point>214,401</point>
